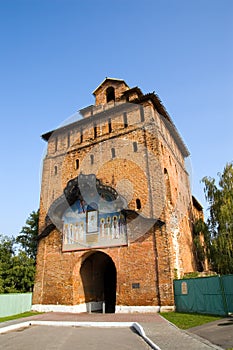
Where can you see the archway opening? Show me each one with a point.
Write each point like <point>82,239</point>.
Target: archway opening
<point>98,274</point>
<point>110,94</point>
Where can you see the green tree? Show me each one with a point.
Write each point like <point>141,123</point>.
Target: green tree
<point>220,220</point>
<point>28,235</point>
<point>201,242</point>
<point>1,280</point>
<point>7,252</point>
<point>19,277</point>
<point>18,258</point>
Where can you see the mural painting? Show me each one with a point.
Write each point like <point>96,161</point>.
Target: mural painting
<point>86,226</point>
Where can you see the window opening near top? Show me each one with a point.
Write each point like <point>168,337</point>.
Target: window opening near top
<point>113,152</point>
<point>110,94</point>
<point>68,139</point>
<point>92,159</point>
<point>77,163</point>
<point>138,204</point>
<point>81,136</point>
<point>135,146</point>
<point>56,143</point>
<point>95,131</point>
<point>142,114</point>
<point>125,120</point>
<point>109,125</point>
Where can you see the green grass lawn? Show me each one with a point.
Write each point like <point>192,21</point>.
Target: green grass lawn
<point>14,317</point>
<point>185,321</point>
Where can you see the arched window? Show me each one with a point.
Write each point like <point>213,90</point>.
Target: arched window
<point>109,125</point>
<point>56,143</point>
<point>167,186</point>
<point>113,152</point>
<point>142,114</point>
<point>77,163</point>
<point>95,131</point>
<point>92,159</point>
<point>125,120</point>
<point>138,204</point>
<point>81,135</point>
<point>68,139</point>
<point>110,94</point>
<point>135,146</point>
<point>55,170</point>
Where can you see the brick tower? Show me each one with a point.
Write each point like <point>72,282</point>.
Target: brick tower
<point>116,209</point>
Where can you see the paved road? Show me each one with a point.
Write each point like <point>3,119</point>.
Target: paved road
<point>219,332</point>
<point>161,332</point>
<point>70,338</point>
<point>170,337</point>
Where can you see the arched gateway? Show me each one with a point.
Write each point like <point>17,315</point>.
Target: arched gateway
<point>98,274</point>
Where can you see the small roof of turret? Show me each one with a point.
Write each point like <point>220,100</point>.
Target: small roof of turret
<point>109,79</point>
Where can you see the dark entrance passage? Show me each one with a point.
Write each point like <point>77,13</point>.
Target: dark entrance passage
<point>98,273</point>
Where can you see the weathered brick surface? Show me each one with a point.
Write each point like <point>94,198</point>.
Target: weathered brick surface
<point>148,165</point>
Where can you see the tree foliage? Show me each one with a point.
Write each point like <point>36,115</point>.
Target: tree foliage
<point>19,277</point>
<point>201,242</point>
<point>220,221</point>
<point>28,235</point>
<point>17,258</point>
<point>6,254</point>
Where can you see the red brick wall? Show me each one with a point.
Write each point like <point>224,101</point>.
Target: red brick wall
<point>159,254</point>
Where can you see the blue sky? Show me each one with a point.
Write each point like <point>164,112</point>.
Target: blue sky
<point>54,53</point>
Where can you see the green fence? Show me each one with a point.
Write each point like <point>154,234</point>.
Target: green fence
<point>205,295</point>
<point>13,304</point>
<point>227,283</point>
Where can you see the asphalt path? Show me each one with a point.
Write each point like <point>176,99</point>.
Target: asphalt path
<point>214,335</point>
<point>70,338</point>
<point>219,332</point>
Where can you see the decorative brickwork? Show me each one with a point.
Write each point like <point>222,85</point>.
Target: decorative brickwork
<point>129,143</point>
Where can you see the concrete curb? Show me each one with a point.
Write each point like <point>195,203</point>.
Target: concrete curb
<point>136,326</point>
<point>14,327</point>
<point>141,332</point>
